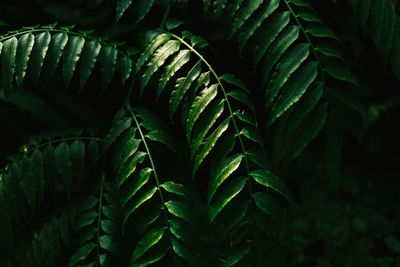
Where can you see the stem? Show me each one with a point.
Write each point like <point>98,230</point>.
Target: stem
<point>226,99</point>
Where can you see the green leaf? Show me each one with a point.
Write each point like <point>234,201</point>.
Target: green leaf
<point>143,196</point>
<point>294,90</point>
<point>329,50</point>
<point>173,23</point>
<point>179,60</point>
<point>63,163</point>
<point>118,127</point>
<point>124,65</point>
<point>232,79</point>
<point>78,158</point>
<point>320,30</point>
<point>25,45</point>
<point>108,60</point>
<point>122,6</point>
<point>340,73</point>
<point>261,15</point>
<point>51,169</point>
<point>8,57</point>
<point>302,108</point>
<point>81,254</point>
<point>200,103</point>
<point>244,14</point>
<point>271,181</point>
<point>288,65</point>
<point>242,97</point>
<point>155,43</point>
<point>71,56</point>
<point>181,210</point>
<point>174,188</point>
<point>187,254</point>
<point>223,171</point>
<point>38,53</point>
<point>139,181</point>
<point>142,8</point>
<point>309,131</point>
<point>88,60</point>
<point>278,48</point>
<point>56,48</point>
<point>269,205</point>
<point>225,196</point>
<point>28,182</point>
<point>158,59</point>
<point>149,239</point>
<point>252,134</point>
<point>38,173</point>
<point>274,27</point>
<point>209,144</point>
<point>85,219</point>
<point>182,86</point>
<point>129,167</point>
<point>205,123</point>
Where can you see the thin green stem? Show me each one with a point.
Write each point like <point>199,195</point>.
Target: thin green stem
<point>226,99</point>
<point>6,37</point>
<point>99,219</point>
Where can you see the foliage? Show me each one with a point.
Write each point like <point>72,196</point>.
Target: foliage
<point>196,133</point>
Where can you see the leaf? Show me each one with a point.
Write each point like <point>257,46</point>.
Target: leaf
<point>232,79</point>
<point>71,56</point>
<point>139,181</point>
<point>78,158</point>
<point>289,64</point>
<point>271,181</point>
<point>122,6</point>
<point>88,60</point>
<point>118,127</point>
<point>28,182</point>
<point>173,23</point>
<point>225,196</point>
<point>50,168</point>
<point>81,254</point>
<point>124,65</point>
<point>209,144</point>
<point>56,48</point>
<point>181,210</point>
<point>329,50</point>
<point>108,60</point>
<point>179,60</point>
<point>244,14</point>
<point>142,8</point>
<point>269,205</point>
<point>293,90</point>
<point>242,97</point>
<point>200,103</point>
<point>275,26</point>
<point>158,59</point>
<point>38,53</point>
<point>174,188</point>
<point>182,86</point>
<point>149,239</point>
<point>8,57</point>
<point>38,174</point>
<point>129,167</point>
<point>184,252</point>
<point>143,196</point>
<point>24,49</point>
<point>278,48</point>
<point>63,163</point>
<point>341,74</point>
<point>223,171</point>
<point>155,43</point>
<point>309,131</point>
<point>320,30</point>
<point>262,14</point>
<point>205,123</point>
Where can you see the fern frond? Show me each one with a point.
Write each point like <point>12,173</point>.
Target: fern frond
<point>214,129</point>
<point>34,49</point>
<point>164,233</point>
